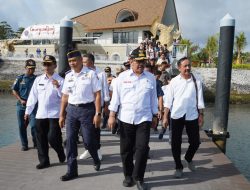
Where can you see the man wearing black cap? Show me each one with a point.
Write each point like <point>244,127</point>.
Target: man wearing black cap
<point>126,65</point>
<point>135,94</point>
<point>82,100</point>
<point>46,91</point>
<point>21,89</point>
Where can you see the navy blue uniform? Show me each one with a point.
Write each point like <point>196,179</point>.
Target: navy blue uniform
<point>22,86</point>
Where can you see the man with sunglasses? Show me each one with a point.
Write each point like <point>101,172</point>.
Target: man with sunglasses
<point>21,89</point>
<point>135,94</point>
<point>46,91</point>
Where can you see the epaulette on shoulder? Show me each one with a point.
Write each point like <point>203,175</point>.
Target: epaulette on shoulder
<point>20,76</point>
<point>38,75</point>
<point>67,72</point>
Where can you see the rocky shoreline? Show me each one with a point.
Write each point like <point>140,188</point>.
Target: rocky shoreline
<point>240,82</point>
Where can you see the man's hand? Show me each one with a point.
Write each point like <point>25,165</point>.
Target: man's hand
<point>154,122</point>
<point>165,122</point>
<point>26,120</point>
<point>97,121</point>
<point>62,121</point>
<point>106,109</point>
<point>200,120</point>
<point>26,117</point>
<point>55,83</point>
<point>159,115</point>
<point>23,102</point>
<point>111,122</point>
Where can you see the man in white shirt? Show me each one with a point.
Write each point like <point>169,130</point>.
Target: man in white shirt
<point>46,90</point>
<point>81,103</point>
<point>135,94</point>
<point>185,99</point>
<point>89,61</point>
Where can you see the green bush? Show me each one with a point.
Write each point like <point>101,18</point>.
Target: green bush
<point>5,84</point>
<point>241,66</point>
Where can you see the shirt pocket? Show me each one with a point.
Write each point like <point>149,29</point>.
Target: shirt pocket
<point>128,91</point>
<point>147,87</point>
<point>71,88</point>
<point>85,81</point>
<point>40,88</point>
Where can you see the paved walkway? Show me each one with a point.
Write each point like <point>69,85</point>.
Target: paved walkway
<point>214,169</point>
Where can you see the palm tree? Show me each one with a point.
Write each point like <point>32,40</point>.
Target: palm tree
<point>240,44</point>
<point>212,48</point>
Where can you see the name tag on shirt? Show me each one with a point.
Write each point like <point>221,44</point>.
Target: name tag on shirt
<point>127,85</point>
<point>41,84</point>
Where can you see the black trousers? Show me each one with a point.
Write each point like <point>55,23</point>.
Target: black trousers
<point>84,116</point>
<point>48,131</point>
<point>134,137</point>
<point>192,129</point>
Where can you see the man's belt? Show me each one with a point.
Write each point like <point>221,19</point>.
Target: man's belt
<point>82,105</point>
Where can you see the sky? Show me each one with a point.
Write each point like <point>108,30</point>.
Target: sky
<point>198,19</point>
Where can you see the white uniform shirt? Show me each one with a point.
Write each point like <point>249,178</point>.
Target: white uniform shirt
<point>112,84</point>
<point>136,97</point>
<point>81,86</point>
<point>181,98</point>
<point>165,90</point>
<point>104,85</point>
<point>47,96</point>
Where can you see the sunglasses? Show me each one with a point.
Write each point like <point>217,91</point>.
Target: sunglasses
<point>47,64</point>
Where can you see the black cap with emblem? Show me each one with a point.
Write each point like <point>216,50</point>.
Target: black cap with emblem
<point>49,59</point>
<point>73,53</point>
<point>30,63</point>
<point>138,54</point>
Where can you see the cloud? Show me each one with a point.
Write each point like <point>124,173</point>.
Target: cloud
<point>198,19</point>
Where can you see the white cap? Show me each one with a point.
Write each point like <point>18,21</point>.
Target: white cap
<point>66,22</point>
<point>227,20</point>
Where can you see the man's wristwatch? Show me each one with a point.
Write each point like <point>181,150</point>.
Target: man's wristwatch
<point>98,114</point>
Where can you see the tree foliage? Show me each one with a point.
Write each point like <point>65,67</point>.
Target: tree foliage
<point>6,31</point>
<point>212,48</point>
<point>240,44</point>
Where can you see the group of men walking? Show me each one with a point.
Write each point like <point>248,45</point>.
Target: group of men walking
<point>76,103</point>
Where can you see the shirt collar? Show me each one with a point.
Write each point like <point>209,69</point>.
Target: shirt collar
<point>84,69</point>
<point>181,78</point>
<point>53,76</point>
<point>131,72</point>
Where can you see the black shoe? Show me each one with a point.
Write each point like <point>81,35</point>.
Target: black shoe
<point>97,166</point>
<point>62,158</point>
<point>42,166</point>
<point>25,148</point>
<point>141,185</point>
<point>68,176</point>
<point>128,182</point>
<point>114,129</point>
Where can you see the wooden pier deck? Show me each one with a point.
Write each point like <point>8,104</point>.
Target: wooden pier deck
<point>214,170</point>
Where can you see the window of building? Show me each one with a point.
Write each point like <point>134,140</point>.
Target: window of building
<point>115,57</point>
<point>97,34</point>
<point>125,37</point>
<point>126,15</point>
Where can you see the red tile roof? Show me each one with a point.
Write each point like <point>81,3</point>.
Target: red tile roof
<point>104,18</point>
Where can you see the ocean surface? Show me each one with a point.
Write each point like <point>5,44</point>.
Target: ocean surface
<point>238,144</point>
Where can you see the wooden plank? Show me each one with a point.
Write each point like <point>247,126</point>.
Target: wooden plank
<point>214,169</point>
